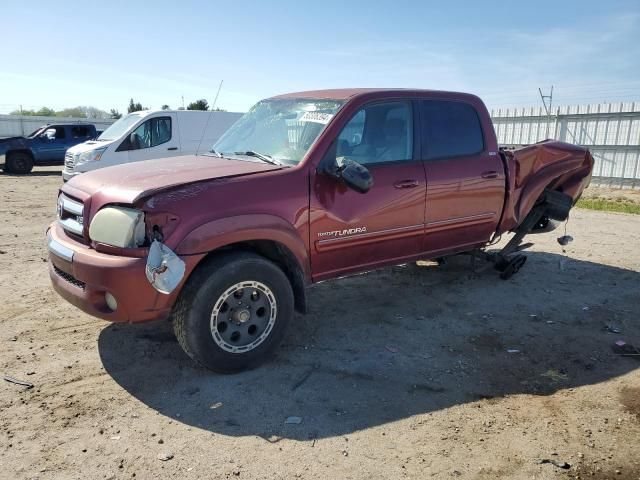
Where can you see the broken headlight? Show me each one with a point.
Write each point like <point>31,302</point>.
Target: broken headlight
<point>119,227</point>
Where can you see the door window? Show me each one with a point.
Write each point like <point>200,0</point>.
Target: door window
<point>154,131</point>
<point>378,133</point>
<point>450,129</point>
<point>54,133</point>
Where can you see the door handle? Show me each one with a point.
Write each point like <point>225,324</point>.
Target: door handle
<point>172,148</point>
<point>490,174</point>
<point>406,184</point>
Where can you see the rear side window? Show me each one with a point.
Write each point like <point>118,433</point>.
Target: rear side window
<point>450,129</point>
<point>79,132</point>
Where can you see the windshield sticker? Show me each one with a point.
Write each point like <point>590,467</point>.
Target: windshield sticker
<point>316,117</point>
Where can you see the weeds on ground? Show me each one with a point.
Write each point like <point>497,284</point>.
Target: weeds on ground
<point>609,205</point>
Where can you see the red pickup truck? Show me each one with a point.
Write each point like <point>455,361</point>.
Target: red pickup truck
<point>304,187</point>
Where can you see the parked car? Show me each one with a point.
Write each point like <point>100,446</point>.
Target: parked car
<point>46,146</point>
<point>304,187</point>
<point>145,135</point>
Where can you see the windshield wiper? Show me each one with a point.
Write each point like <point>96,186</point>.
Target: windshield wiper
<point>261,156</point>
<point>215,152</point>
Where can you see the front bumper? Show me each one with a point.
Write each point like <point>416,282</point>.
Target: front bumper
<point>83,276</point>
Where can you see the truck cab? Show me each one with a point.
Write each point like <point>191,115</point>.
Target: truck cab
<point>305,187</point>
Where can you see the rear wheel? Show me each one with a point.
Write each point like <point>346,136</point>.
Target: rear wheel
<point>19,162</point>
<point>233,312</point>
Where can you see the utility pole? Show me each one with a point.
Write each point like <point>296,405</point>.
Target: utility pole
<point>216,99</point>
<point>183,102</point>
<point>547,108</point>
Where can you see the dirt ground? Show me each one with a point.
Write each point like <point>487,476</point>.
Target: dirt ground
<point>407,372</point>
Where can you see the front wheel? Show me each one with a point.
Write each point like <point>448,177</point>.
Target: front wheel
<point>233,311</point>
<point>20,163</point>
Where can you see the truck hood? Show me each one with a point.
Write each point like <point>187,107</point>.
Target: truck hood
<point>10,139</point>
<point>129,182</point>
<point>88,145</point>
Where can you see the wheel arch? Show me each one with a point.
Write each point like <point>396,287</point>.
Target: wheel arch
<point>268,236</point>
<point>26,151</point>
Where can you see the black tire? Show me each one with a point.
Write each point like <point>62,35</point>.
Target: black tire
<point>192,315</point>
<point>20,163</point>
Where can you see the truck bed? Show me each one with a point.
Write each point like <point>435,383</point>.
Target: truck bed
<point>530,170</point>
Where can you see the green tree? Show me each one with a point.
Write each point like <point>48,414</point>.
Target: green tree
<point>93,112</point>
<point>23,112</point>
<point>77,112</point>
<point>201,104</point>
<point>166,107</point>
<point>134,106</point>
<point>114,113</point>
<point>46,112</point>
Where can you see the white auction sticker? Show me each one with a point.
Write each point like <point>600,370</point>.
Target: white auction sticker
<point>316,117</point>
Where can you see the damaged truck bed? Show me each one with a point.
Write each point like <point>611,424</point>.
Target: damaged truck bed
<point>304,187</point>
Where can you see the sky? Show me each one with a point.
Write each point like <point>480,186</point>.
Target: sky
<point>65,54</point>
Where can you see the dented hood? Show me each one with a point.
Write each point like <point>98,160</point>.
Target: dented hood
<point>131,181</point>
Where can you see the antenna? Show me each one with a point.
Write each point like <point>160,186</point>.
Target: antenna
<point>547,108</point>
<point>215,100</point>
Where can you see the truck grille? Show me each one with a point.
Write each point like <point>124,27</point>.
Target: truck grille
<point>69,278</point>
<point>70,215</point>
<point>69,162</point>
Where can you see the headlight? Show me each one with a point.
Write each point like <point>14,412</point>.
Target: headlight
<point>90,155</point>
<point>119,227</point>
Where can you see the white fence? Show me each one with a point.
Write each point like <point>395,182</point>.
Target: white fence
<point>19,125</point>
<point>611,131</point>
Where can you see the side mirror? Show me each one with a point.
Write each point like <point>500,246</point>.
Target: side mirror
<point>356,176</point>
<point>125,145</point>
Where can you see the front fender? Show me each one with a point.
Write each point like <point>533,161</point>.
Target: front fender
<point>242,228</point>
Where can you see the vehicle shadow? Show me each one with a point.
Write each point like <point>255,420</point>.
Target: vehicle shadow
<point>394,343</point>
<point>33,173</point>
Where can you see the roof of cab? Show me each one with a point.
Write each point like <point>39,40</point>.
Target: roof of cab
<point>346,93</point>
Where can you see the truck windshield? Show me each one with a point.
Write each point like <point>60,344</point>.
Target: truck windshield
<point>117,129</point>
<point>36,132</point>
<point>282,129</point>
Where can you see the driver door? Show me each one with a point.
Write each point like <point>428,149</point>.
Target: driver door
<point>350,231</point>
<point>54,144</point>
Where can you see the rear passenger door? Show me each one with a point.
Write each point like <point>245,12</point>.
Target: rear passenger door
<point>465,181</point>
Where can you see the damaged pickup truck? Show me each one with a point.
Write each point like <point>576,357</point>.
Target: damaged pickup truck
<point>305,187</point>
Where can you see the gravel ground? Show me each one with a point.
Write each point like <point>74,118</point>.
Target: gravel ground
<point>414,371</point>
